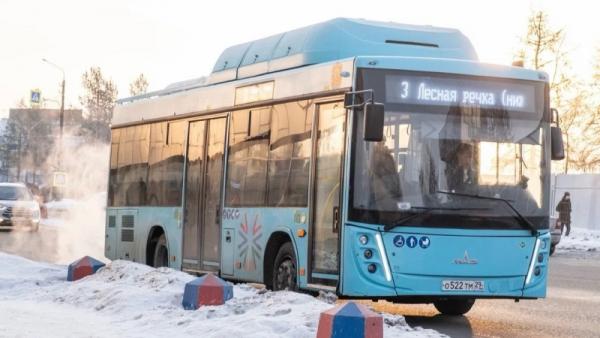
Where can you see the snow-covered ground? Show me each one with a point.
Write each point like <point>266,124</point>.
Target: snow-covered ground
<point>580,240</point>
<point>126,299</point>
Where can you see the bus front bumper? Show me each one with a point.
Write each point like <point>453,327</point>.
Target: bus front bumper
<point>442,265</point>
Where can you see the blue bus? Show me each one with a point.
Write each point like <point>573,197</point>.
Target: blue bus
<point>373,160</point>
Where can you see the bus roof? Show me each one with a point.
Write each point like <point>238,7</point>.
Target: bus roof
<point>338,39</point>
<point>314,59</point>
<point>324,42</point>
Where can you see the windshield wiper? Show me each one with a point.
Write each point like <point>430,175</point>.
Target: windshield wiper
<point>423,211</point>
<point>522,220</point>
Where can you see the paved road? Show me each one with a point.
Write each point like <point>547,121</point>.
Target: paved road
<point>38,246</point>
<point>572,308</point>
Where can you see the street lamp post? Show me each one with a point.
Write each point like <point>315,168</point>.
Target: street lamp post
<point>62,109</point>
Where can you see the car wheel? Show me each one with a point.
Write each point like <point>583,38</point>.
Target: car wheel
<point>284,269</point>
<point>161,252</point>
<point>454,307</point>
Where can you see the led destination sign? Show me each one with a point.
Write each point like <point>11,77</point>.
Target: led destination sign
<point>438,91</point>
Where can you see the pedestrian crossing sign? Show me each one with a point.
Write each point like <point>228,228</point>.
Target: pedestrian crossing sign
<point>36,96</point>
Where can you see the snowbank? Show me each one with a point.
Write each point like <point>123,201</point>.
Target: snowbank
<point>580,240</point>
<point>132,300</point>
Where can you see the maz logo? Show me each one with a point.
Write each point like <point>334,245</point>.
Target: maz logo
<point>465,260</point>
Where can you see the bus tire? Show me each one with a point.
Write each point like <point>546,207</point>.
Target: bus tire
<point>454,307</point>
<point>161,253</point>
<point>284,269</point>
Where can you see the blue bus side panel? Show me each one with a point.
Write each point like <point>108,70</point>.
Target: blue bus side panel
<point>144,219</point>
<point>253,227</point>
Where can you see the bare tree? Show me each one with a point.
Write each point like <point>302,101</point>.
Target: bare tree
<point>99,102</point>
<point>139,85</point>
<point>590,160</point>
<point>543,49</point>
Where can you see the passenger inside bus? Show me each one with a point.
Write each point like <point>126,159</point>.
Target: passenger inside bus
<point>385,182</point>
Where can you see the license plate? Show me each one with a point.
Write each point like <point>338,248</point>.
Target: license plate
<point>462,285</point>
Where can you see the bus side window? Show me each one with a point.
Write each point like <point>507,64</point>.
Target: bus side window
<point>289,155</point>
<point>165,160</point>
<point>247,159</point>
<point>113,185</point>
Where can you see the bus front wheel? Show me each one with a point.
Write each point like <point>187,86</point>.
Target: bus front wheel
<point>284,269</point>
<point>454,307</point>
<point>161,252</point>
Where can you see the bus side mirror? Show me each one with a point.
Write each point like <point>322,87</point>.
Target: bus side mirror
<point>557,148</point>
<point>556,144</point>
<point>373,122</point>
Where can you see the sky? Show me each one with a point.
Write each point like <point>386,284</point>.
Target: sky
<point>176,40</point>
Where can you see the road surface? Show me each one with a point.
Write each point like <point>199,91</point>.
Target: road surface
<point>572,308</point>
<point>38,246</point>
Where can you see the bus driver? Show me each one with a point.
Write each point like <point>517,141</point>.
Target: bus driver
<point>460,174</point>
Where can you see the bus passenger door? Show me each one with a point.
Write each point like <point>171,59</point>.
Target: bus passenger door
<point>329,148</point>
<point>204,175</point>
<point>193,187</point>
<point>213,182</point>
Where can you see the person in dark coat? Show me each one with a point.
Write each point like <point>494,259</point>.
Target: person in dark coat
<point>460,174</point>
<point>564,212</point>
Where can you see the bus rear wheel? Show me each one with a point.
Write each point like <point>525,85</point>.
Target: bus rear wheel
<point>454,307</point>
<point>161,252</point>
<point>284,269</point>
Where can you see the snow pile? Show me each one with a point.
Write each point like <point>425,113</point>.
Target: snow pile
<point>580,240</point>
<point>132,300</point>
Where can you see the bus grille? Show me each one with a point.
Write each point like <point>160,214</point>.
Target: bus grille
<point>127,235</point>
<point>127,223</point>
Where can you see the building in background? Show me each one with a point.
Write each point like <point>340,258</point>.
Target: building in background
<point>585,198</point>
<point>3,153</point>
<point>30,139</point>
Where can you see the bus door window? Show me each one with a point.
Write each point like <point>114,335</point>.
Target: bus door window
<point>330,145</point>
<point>193,186</point>
<point>212,192</point>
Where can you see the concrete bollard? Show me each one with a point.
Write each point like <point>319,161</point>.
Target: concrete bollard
<point>83,267</point>
<point>350,320</point>
<point>206,290</point>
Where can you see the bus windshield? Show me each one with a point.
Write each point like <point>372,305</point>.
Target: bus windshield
<point>460,160</point>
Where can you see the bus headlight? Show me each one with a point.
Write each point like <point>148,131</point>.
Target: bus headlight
<point>372,268</point>
<point>368,254</point>
<point>363,239</point>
